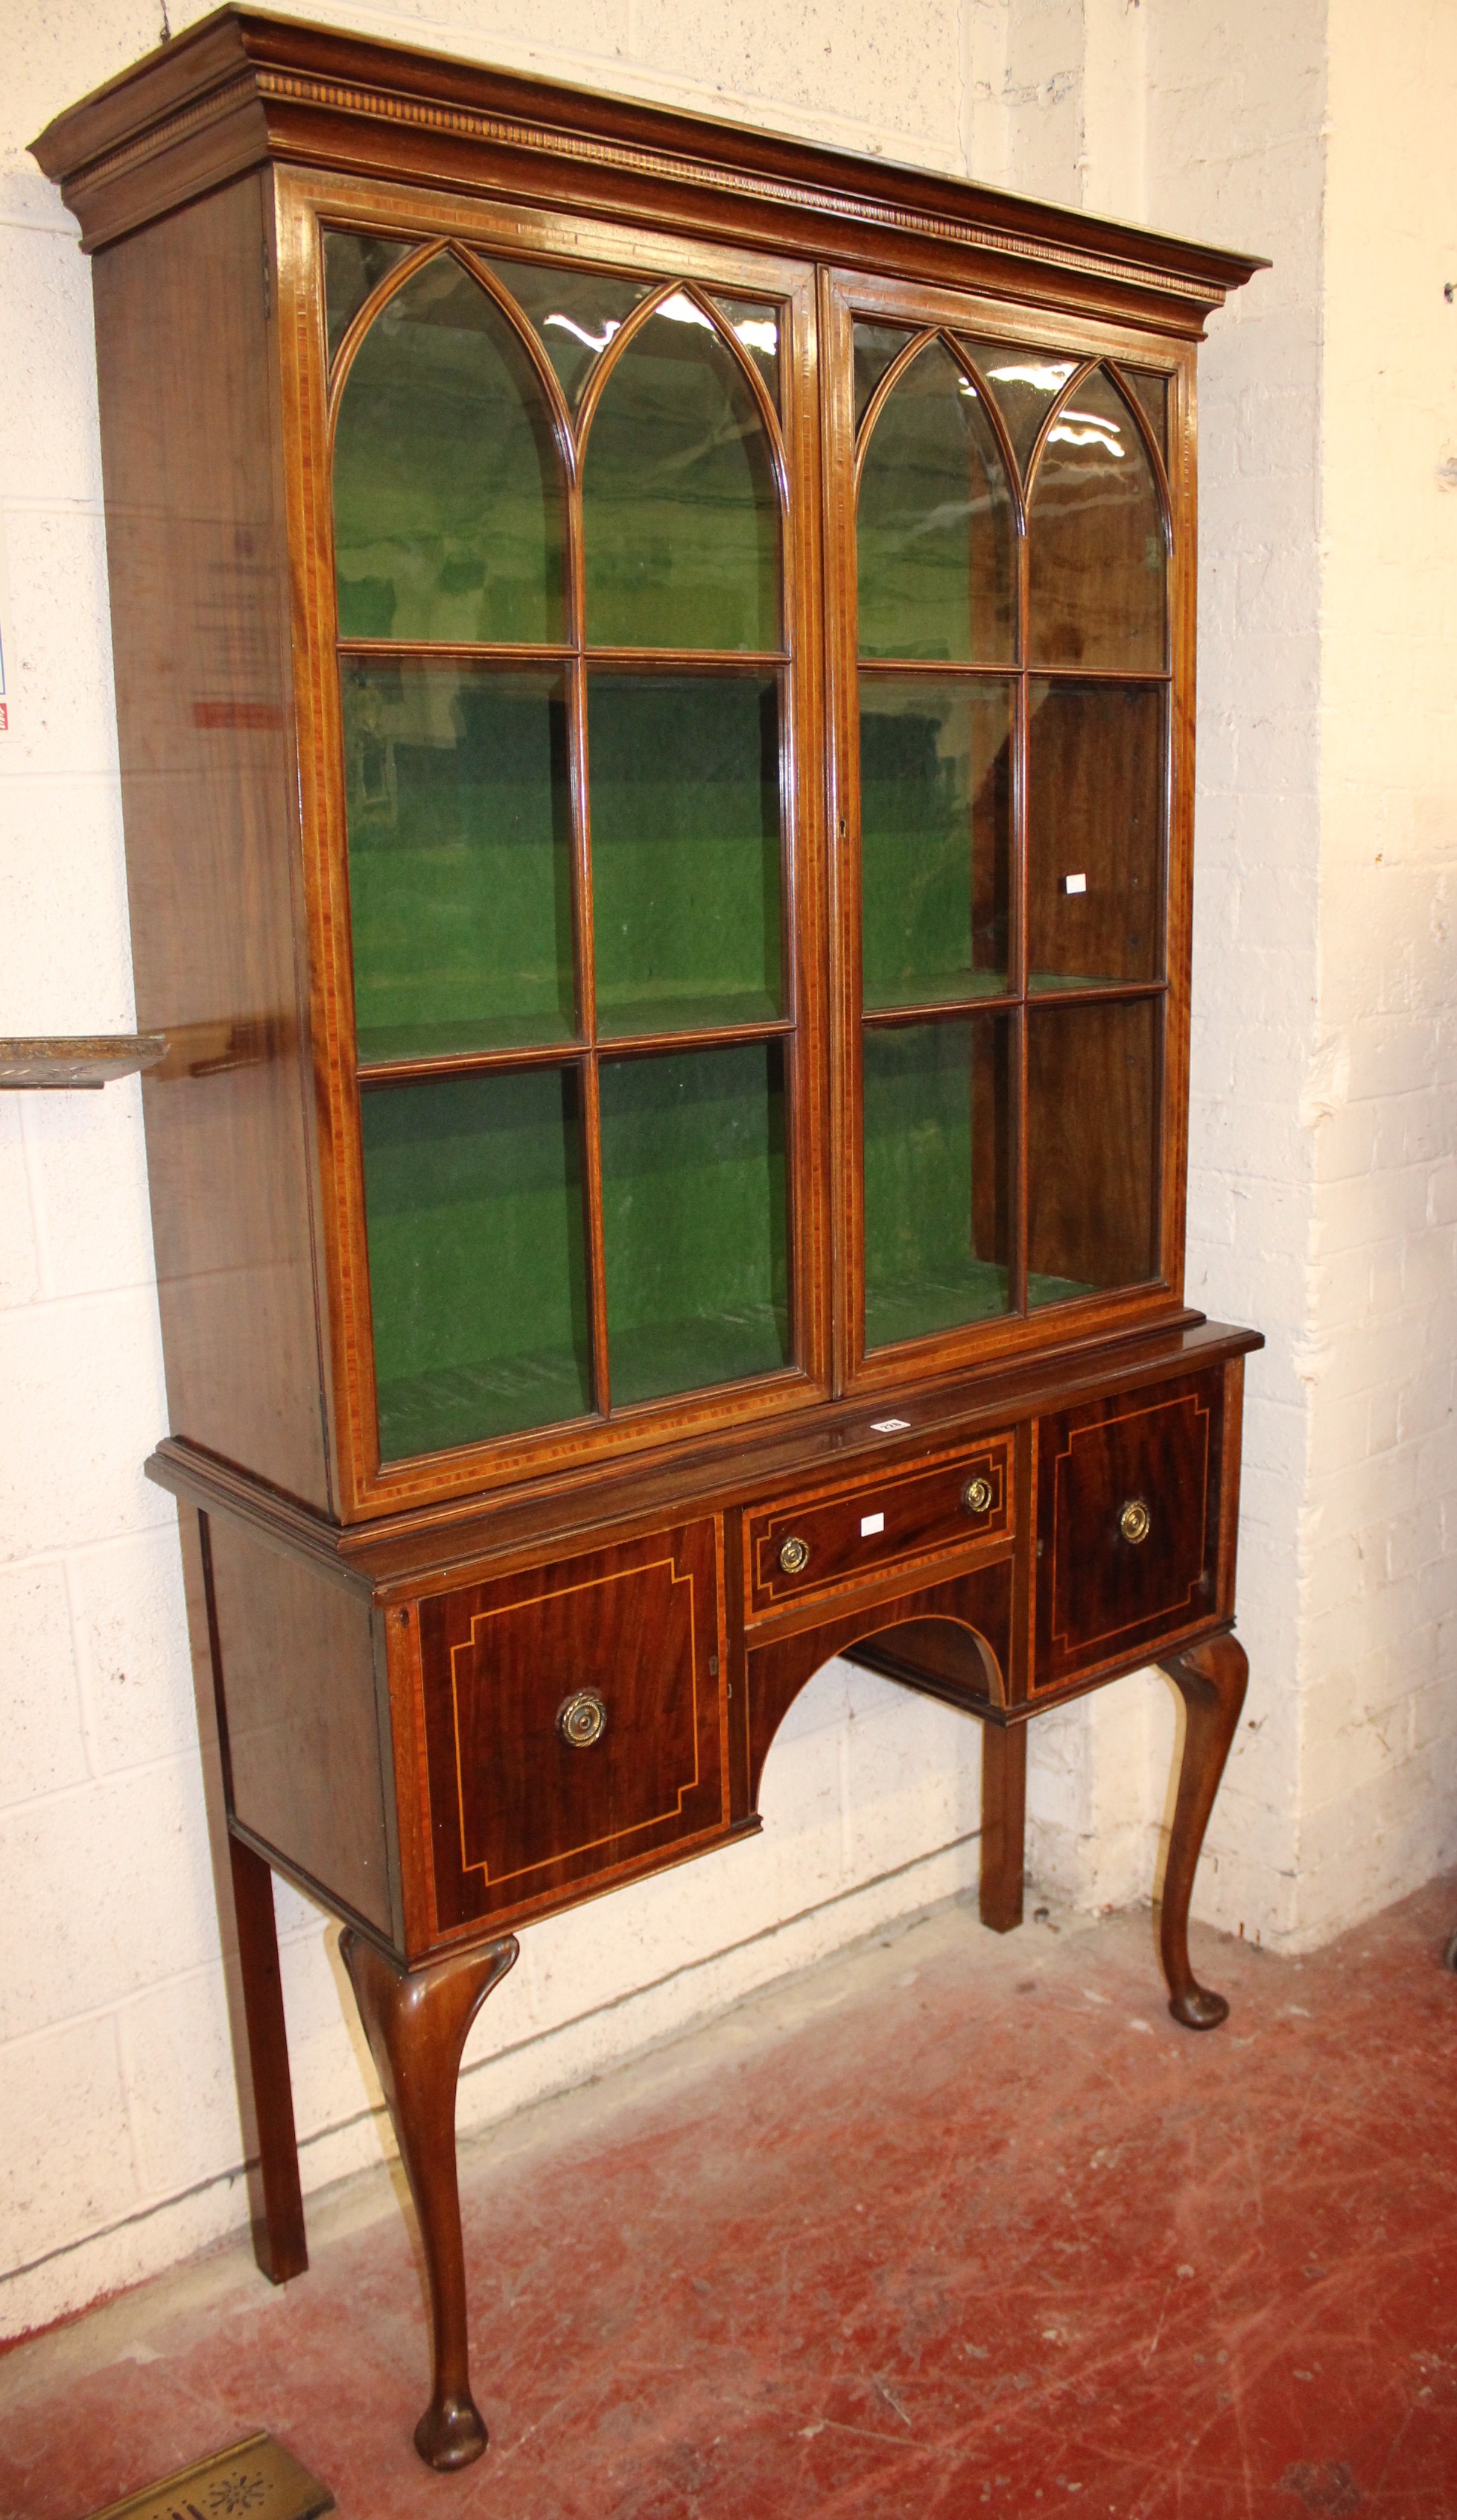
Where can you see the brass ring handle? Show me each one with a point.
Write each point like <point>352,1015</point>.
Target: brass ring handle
<point>794,1555</point>
<point>581,1719</point>
<point>975,1496</point>
<point>1135,1523</point>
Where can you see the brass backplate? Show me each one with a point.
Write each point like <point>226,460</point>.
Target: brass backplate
<point>258,2479</point>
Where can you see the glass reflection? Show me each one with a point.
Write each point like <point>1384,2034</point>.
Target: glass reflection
<point>756,329</point>
<point>685,850</point>
<point>353,268</point>
<point>877,347</point>
<point>576,314</point>
<point>447,492</point>
<point>694,1217</point>
<point>679,502</point>
<point>1093,1096</point>
<point>935,810</point>
<point>1024,381</point>
<point>472,1200</point>
<point>1095,832</point>
<point>459,809</point>
<point>1095,543</point>
<point>1152,394</point>
<point>935,524</point>
<point>937,1176</point>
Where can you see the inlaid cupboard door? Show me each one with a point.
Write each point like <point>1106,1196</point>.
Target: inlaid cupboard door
<point>569,845</point>
<point>575,1724</point>
<point>1008,581</point>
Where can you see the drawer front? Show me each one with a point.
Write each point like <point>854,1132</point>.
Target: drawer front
<point>573,1721</point>
<point>1129,1495</point>
<point>837,1536</point>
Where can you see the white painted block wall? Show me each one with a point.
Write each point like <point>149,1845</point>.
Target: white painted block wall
<point>1323,1193</point>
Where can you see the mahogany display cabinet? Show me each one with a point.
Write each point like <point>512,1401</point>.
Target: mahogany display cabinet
<point>655,674</point>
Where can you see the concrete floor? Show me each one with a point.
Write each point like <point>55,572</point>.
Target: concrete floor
<point>952,2225</point>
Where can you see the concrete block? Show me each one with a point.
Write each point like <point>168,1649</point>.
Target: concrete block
<point>63,902</point>
<point>20,1255</point>
<point>516,30</point>
<point>138,1684</point>
<point>67,2165</point>
<point>180,2083</point>
<point>866,64</point>
<point>88,1170</point>
<point>81,1405</point>
<point>911,1781</point>
<point>50,446</point>
<point>44,1745</point>
<point>63,715</point>
<point>109,1891</point>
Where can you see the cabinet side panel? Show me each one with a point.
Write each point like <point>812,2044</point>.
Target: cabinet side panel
<point>198,575</point>
<point>302,1714</point>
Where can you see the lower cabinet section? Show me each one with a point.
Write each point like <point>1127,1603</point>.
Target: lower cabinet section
<point>1129,1494</point>
<point>576,1721</point>
<point>445,1753</point>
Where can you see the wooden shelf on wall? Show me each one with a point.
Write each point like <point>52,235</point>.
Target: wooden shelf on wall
<point>64,1062</point>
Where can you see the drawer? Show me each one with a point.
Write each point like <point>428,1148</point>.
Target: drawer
<point>573,1721</point>
<point>836,1536</point>
<point>1128,1500</point>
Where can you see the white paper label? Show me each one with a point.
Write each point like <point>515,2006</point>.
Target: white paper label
<point>1074,883</point>
<point>869,1524</point>
<point>888,1425</point>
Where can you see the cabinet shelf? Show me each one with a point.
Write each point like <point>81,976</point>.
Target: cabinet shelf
<point>70,1062</point>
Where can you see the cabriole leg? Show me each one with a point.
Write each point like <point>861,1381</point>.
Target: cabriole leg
<point>416,2022</point>
<point>1211,1680</point>
<point>1004,1805</point>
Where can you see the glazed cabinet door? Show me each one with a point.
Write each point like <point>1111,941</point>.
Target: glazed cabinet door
<point>1005,584</point>
<point>566,898</point>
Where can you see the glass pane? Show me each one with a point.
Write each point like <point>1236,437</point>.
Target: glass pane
<point>476,1266</point>
<point>877,347</point>
<point>353,265</point>
<point>1024,381</point>
<point>937,1176</point>
<point>694,1224</point>
<point>1095,832</point>
<point>935,524</point>
<point>681,515</point>
<point>936,813</point>
<point>575,313</point>
<point>1153,393</point>
<point>685,850</point>
<point>1093,1093</point>
<point>757,328</point>
<point>447,500</point>
<point>460,858</point>
<point>1095,539</point>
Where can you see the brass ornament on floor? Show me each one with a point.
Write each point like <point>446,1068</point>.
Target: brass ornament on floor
<point>256,2478</point>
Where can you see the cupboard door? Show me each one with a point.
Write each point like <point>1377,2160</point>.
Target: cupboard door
<point>1128,1514</point>
<point>574,1721</point>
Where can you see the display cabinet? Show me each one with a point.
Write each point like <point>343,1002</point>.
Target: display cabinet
<point>654,673</point>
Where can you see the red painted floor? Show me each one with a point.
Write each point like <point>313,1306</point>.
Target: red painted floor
<point>955,2224</point>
